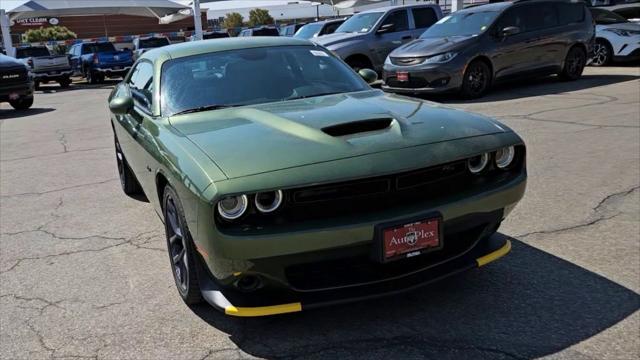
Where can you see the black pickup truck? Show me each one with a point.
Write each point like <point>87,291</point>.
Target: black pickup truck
<point>16,84</point>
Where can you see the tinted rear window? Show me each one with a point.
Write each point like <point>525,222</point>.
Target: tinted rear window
<point>215,36</point>
<point>266,32</point>
<point>424,17</point>
<point>570,13</point>
<point>153,43</point>
<point>96,48</point>
<point>31,52</point>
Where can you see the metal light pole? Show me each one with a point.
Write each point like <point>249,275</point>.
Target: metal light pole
<point>197,20</point>
<point>5,27</point>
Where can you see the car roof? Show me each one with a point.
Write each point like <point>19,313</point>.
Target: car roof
<point>224,44</point>
<point>490,7</point>
<point>387,8</point>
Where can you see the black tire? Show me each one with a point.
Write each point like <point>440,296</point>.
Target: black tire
<point>180,247</point>
<point>22,104</point>
<point>128,181</point>
<point>36,85</point>
<point>602,53</point>
<point>92,77</point>
<point>64,83</point>
<point>574,64</point>
<point>476,80</point>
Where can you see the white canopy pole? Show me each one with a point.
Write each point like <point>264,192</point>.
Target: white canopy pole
<point>5,26</point>
<point>197,20</point>
<point>457,5</point>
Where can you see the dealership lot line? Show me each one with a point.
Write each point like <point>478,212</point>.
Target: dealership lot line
<point>84,271</point>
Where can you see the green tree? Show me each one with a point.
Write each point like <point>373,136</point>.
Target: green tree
<point>232,21</point>
<point>49,33</point>
<point>259,17</point>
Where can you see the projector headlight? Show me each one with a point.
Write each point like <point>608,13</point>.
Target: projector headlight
<point>478,163</point>
<point>504,157</point>
<point>232,207</point>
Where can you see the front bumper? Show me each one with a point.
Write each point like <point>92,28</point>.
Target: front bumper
<point>424,79</point>
<point>236,304</point>
<point>21,90</point>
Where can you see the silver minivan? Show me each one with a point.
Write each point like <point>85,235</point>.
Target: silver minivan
<point>366,38</point>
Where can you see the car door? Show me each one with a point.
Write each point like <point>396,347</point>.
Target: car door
<point>423,18</point>
<point>545,40</point>
<point>139,141</point>
<point>400,33</point>
<point>74,58</point>
<point>514,53</point>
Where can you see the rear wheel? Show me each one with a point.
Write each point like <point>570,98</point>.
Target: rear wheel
<point>181,249</point>
<point>92,77</point>
<point>476,81</point>
<point>64,83</point>
<point>22,103</point>
<point>574,64</point>
<point>128,181</point>
<point>602,53</point>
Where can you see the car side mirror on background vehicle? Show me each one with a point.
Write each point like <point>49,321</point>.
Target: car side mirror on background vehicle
<point>385,28</point>
<point>510,30</point>
<point>121,105</point>
<point>368,75</point>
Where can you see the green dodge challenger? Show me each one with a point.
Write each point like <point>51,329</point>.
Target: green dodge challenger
<point>285,182</point>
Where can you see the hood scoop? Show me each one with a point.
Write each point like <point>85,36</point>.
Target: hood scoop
<point>356,127</point>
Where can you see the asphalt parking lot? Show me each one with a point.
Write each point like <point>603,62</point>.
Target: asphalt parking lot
<point>84,271</point>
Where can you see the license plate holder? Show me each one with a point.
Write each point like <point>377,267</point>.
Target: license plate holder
<point>402,76</point>
<point>407,238</point>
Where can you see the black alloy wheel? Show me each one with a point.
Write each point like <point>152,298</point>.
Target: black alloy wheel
<point>179,244</point>
<point>601,53</point>
<point>128,181</point>
<point>574,64</point>
<point>476,81</point>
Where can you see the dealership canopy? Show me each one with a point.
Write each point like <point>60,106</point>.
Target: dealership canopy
<point>38,8</point>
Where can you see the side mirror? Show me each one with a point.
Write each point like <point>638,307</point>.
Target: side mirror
<point>510,30</point>
<point>386,28</point>
<point>121,105</point>
<point>368,75</point>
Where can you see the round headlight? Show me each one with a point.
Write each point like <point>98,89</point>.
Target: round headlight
<point>478,163</point>
<point>268,201</point>
<point>504,157</point>
<point>232,207</point>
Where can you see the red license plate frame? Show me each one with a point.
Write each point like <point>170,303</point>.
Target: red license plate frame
<point>409,237</point>
<point>402,76</point>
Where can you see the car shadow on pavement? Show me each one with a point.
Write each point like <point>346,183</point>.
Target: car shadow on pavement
<point>10,113</point>
<point>536,87</point>
<point>526,305</point>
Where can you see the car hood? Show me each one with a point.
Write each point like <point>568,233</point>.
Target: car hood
<point>622,26</point>
<point>337,38</point>
<point>262,138</point>
<point>432,46</point>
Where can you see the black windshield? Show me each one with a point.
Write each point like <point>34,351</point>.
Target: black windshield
<point>253,76</point>
<point>99,47</point>
<point>462,24</point>
<point>153,43</point>
<point>32,52</point>
<point>606,17</point>
<point>360,23</point>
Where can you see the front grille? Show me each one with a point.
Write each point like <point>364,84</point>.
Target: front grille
<point>370,197</point>
<point>413,83</point>
<point>409,61</point>
<point>11,76</point>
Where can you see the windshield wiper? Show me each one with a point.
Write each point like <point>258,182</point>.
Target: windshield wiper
<point>203,108</point>
<point>314,95</point>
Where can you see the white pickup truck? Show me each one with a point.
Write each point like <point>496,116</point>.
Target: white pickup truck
<point>44,66</point>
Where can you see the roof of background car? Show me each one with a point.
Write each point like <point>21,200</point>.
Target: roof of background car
<point>489,7</point>
<point>387,8</point>
<point>215,45</point>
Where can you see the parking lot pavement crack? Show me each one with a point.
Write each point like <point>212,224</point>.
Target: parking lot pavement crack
<point>59,190</point>
<point>62,140</point>
<point>613,197</point>
<point>217,351</point>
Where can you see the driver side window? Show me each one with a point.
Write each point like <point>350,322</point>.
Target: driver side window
<point>399,19</point>
<point>141,85</point>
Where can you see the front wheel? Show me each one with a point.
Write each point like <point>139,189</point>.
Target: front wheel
<point>64,83</point>
<point>476,81</point>
<point>128,181</point>
<point>574,64</point>
<point>181,249</point>
<point>22,103</point>
<point>602,53</point>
